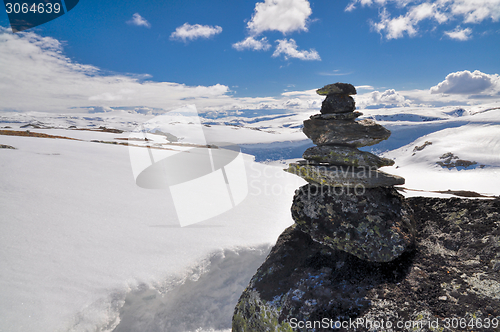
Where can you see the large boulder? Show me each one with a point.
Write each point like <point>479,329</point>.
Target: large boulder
<point>374,225</point>
<point>353,133</point>
<point>452,278</point>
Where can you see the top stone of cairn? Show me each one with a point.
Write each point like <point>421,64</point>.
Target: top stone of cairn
<point>337,88</point>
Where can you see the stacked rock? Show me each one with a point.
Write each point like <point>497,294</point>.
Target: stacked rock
<point>348,219</point>
<point>336,161</point>
<point>349,204</point>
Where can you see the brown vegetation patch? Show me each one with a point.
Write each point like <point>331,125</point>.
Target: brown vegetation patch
<point>28,133</point>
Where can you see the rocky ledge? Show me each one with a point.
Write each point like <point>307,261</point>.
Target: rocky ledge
<point>449,281</point>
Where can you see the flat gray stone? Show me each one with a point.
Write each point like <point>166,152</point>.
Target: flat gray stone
<point>358,178</point>
<point>345,156</point>
<point>353,133</point>
<point>342,88</point>
<point>337,116</point>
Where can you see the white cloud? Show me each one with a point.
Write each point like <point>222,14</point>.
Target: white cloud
<point>413,12</point>
<point>252,44</point>
<point>190,32</point>
<point>476,11</point>
<point>377,99</point>
<point>459,34</point>
<point>35,75</point>
<point>284,16</point>
<point>139,21</point>
<point>467,83</point>
<point>289,49</point>
<point>389,98</point>
<point>394,27</point>
<point>364,87</point>
<point>335,72</point>
<point>280,15</point>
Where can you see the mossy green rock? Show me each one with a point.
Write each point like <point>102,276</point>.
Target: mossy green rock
<point>291,284</point>
<point>359,178</point>
<point>337,88</point>
<point>254,314</point>
<point>374,225</point>
<point>345,156</point>
<point>352,133</point>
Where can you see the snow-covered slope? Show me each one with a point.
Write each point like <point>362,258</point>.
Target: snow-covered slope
<point>77,234</point>
<point>85,249</point>
<point>460,150</point>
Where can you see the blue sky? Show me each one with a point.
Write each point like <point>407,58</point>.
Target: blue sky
<point>403,45</point>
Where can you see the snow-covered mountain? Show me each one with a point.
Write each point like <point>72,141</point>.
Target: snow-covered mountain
<point>85,249</point>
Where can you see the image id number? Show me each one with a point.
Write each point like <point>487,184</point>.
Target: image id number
<point>35,8</point>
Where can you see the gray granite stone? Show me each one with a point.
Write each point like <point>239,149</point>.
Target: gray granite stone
<point>345,156</point>
<point>353,133</point>
<point>336,88</point>
<point>344,176</point>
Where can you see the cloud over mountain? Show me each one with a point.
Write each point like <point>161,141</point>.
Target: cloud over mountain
<point>39,77</point>
<point>377,99</point>
<point>465,82</point>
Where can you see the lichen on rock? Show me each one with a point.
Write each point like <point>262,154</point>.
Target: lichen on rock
<point>345,156</point>
<point>353,133</point>
<point>344,176</point>
<point>337,88</point>
<point>306,281</point>
<point>376,226</point>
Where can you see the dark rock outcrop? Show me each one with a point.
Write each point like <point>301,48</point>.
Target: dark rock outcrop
<point>450,279</point>
<point>449,160</point>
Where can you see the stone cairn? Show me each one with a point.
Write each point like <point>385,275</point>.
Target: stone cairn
<point>349,204</point>
<point>351,228</point>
